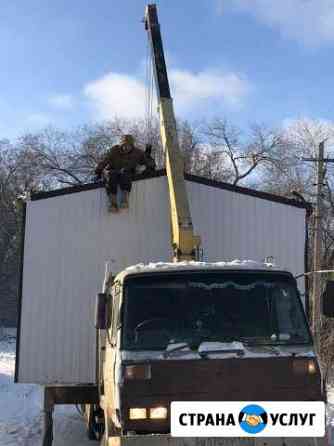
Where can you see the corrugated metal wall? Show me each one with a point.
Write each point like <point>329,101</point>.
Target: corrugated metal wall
<point>69,238</point>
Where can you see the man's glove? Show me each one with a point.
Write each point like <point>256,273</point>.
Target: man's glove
<point>150,163</point>
<point>148,150</point>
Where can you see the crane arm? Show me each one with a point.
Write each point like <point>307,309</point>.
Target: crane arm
<point>185,243</point>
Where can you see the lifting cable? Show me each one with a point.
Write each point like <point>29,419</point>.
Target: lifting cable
<point>149,92</point>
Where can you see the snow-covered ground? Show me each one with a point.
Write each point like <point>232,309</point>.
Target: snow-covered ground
<point>21,416</point>
<point>20,410</point>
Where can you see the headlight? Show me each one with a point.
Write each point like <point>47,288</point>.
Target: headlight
<point>304,366</point>
<point>142,371</point>
<point>136,413</point>
<point>312,368</point>
<point>158,413</point>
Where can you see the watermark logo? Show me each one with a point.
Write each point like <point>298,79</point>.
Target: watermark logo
<point>253,418</point>
<point>248,419</point>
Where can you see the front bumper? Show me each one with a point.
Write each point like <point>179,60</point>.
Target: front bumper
<point>233,379</point>
<point>166,440</point>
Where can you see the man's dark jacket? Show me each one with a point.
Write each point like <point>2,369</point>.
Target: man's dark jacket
<point>116,159</point>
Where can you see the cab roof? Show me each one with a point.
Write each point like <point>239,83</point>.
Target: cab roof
<point>196,266</point>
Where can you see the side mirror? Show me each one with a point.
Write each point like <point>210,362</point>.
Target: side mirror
<point>102,319</point>
<point>327,300</point>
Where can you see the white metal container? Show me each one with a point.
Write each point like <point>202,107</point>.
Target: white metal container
<point>69,235</point>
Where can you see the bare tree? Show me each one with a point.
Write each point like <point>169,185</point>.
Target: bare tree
<point>235,157</point>
<point>298,140</point>
<point>11,217</point>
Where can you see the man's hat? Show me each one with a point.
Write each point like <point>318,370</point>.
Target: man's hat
<point>127,139</point>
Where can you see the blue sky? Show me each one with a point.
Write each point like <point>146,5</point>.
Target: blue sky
<point>66,63</point>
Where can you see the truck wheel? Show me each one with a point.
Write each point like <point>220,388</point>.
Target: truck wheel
<point>94,422</point>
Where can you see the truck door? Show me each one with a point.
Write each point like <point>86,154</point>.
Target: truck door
<point>112,350</point>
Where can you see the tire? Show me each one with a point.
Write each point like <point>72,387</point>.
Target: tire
<point>94,423</point>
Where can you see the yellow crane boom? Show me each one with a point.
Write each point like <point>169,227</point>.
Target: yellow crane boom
<point>185,244</point>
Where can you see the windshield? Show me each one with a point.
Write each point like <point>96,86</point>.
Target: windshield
<point>261,308</point>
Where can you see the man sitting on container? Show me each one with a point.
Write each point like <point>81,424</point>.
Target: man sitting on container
<point>118,167</point>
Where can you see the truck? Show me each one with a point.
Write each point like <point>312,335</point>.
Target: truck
<point>165,321</point>
<point>194,329</point>
<point>232,331</point>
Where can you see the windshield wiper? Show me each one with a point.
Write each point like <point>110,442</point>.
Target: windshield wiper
<point>195,347</point>
<point>176,348</point>
<point>269,341</point>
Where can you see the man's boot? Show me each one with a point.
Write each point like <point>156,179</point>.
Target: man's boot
<point>113,207</point>
<point>125,200</point>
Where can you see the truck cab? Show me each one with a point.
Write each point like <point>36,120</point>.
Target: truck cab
<point>195,331</point>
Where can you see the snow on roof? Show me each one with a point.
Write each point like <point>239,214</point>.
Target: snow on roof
<point>189,266</point>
